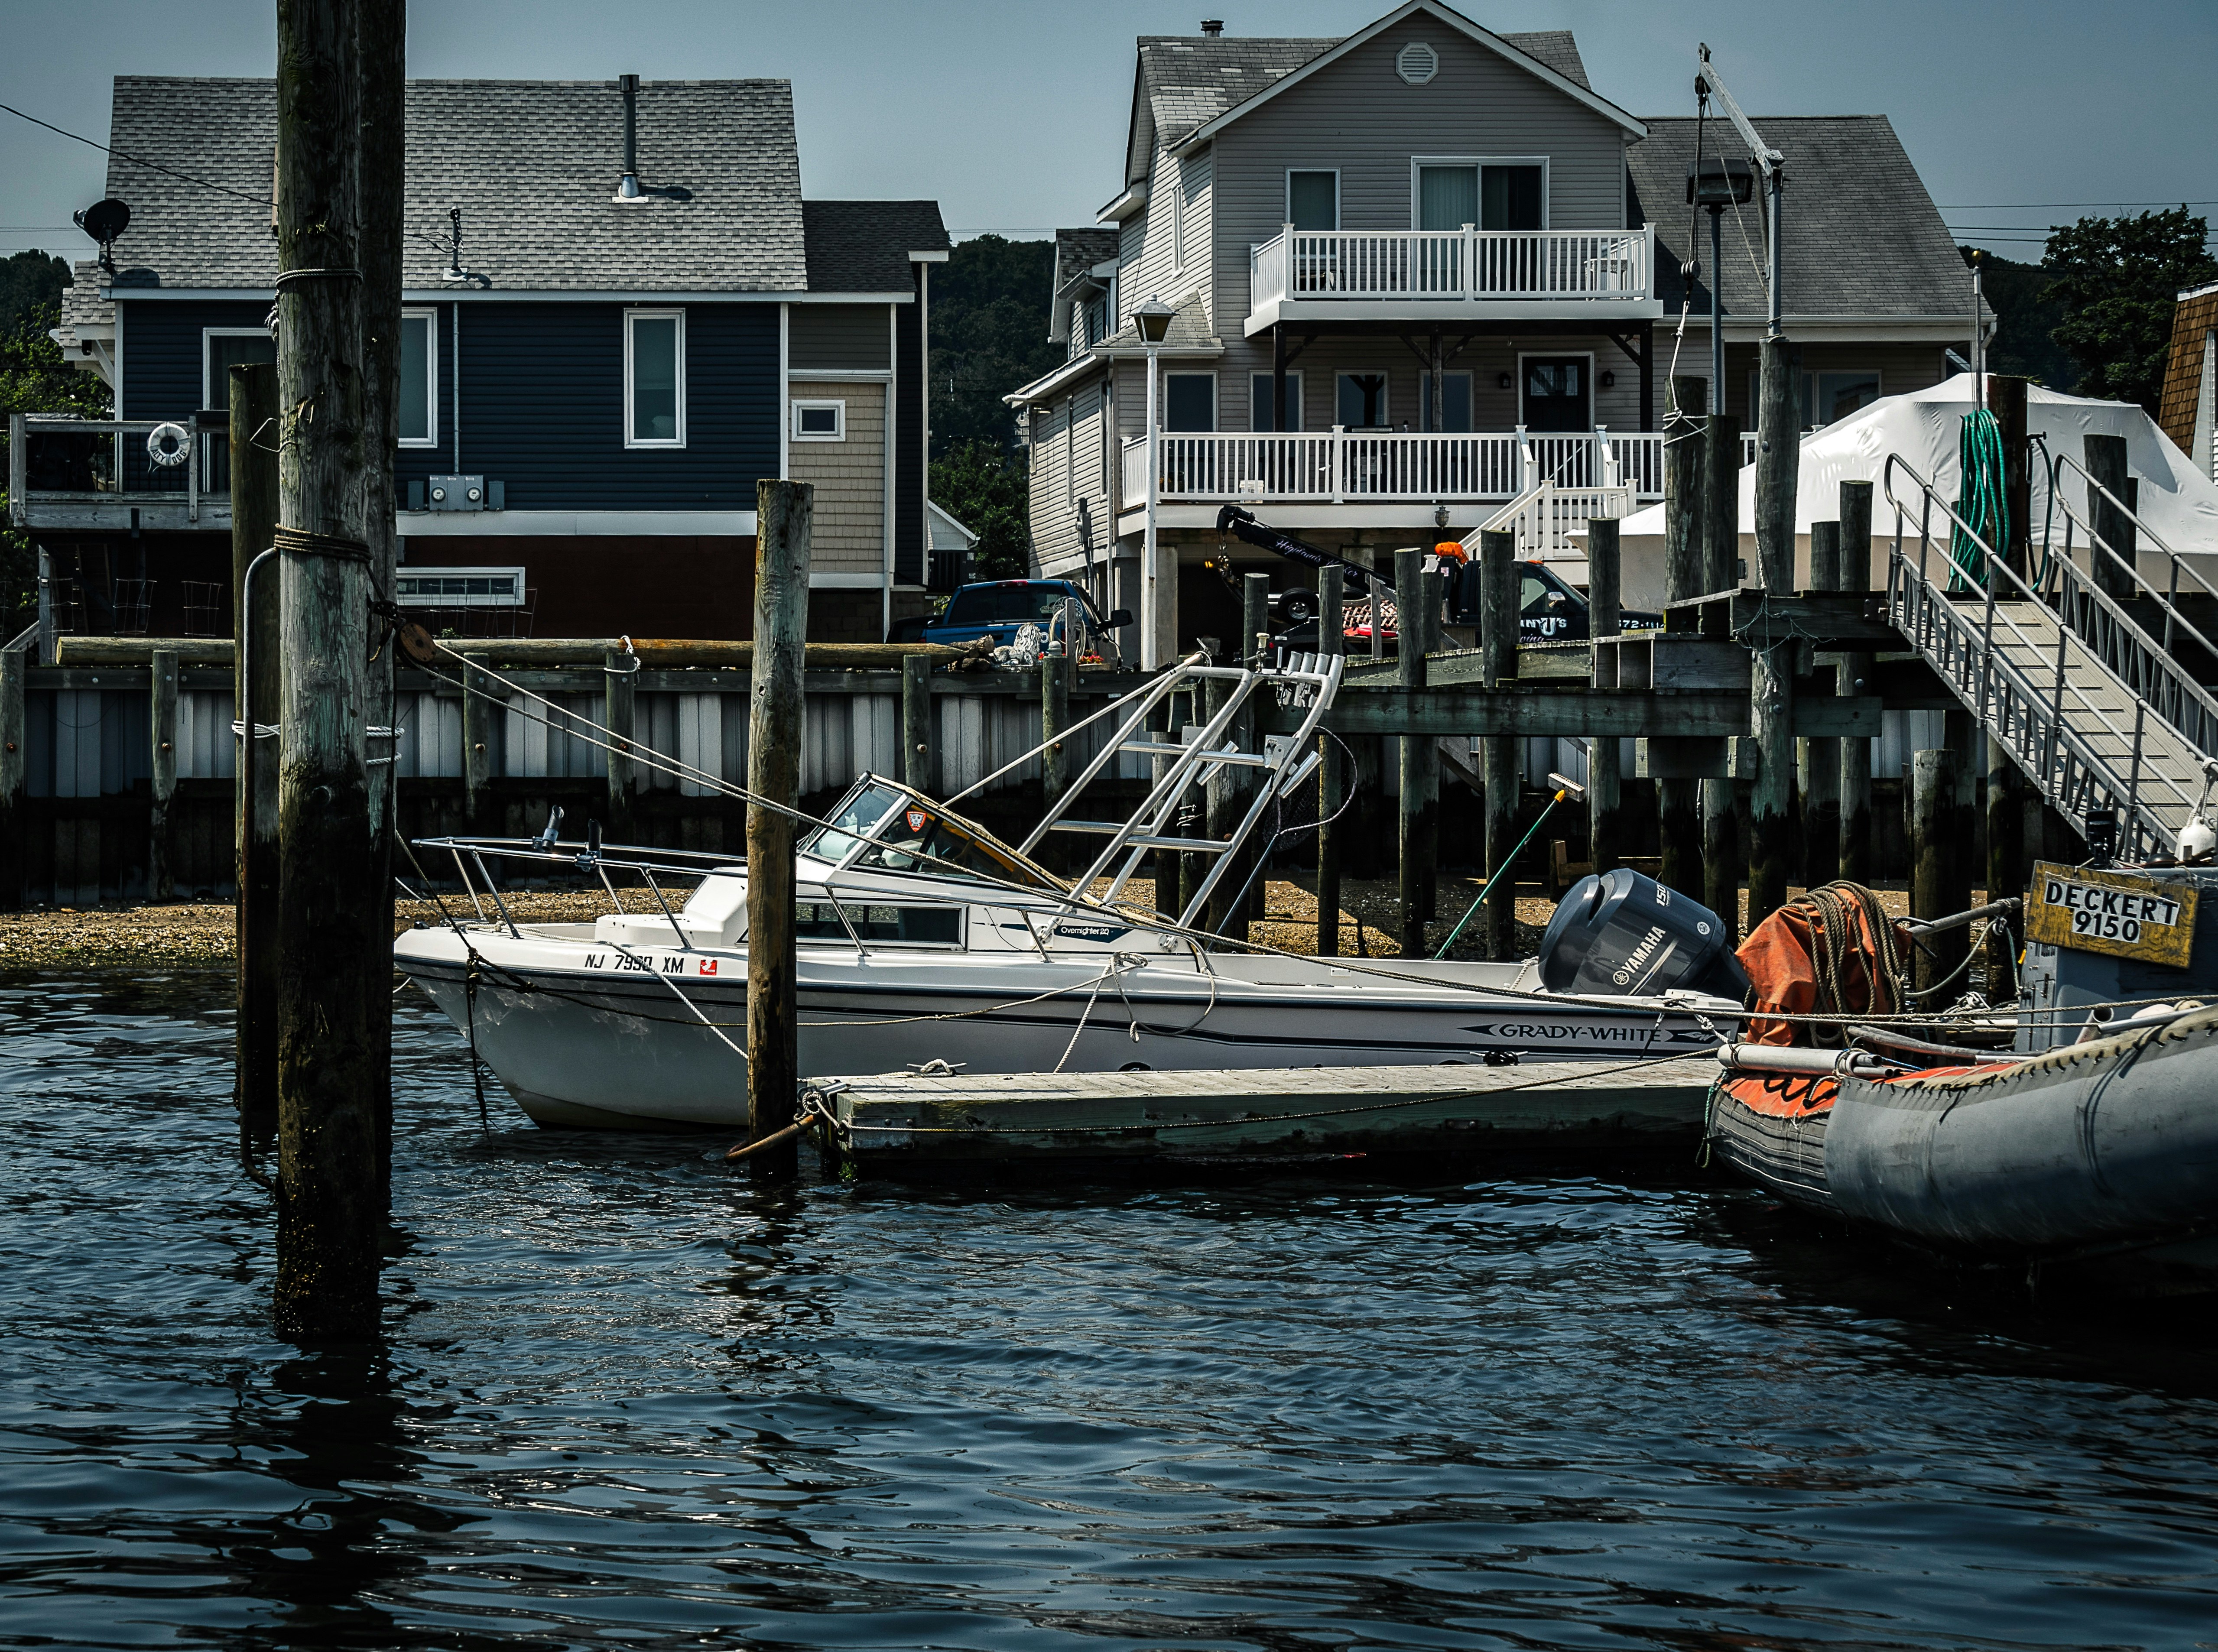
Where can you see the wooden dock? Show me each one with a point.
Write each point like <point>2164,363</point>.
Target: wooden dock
<point>899,1119</point>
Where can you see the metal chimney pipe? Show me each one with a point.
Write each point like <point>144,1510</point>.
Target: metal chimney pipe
<point>629,189</point>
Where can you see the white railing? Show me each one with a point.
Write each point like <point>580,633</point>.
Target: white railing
<point>1338,465</point>
<point>1471,264</point>
<point>1544,516</point>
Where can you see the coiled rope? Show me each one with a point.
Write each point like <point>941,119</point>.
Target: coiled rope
<point>1982,500</point>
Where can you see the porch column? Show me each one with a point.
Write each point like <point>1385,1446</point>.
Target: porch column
<point>1278,376</point>
<point>1647,375</point>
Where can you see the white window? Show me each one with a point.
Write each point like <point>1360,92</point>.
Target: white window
<point>1489,192</point>
<point>1263,401</point>
<point>1313,200</point>
<point>654,378</point>
<point>1177,221</point>
<point>1189,401</point>
<point>1359,403</point>
<point>419,379</point>
<point>819,421</point>
<point>458,587</point>
<point>1827,397</point>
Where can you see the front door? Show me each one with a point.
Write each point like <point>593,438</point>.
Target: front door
<point>1557,396</point>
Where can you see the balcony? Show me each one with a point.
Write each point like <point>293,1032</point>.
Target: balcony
<point>110,475</point>
<point>1573,276</point>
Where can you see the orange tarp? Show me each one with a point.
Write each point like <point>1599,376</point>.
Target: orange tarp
<point>1778,959</point>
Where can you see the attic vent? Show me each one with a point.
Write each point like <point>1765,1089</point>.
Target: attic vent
<point>1416,63</point>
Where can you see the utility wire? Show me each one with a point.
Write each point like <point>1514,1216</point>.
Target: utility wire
<point>136,160</point>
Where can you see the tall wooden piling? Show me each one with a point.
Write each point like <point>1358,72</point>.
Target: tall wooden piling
<point>1721,529</point>
<point>1332,776</point>
<point>1254,653</point>
<point>1498,651</point>
<point>784,515</point>
<point>1606,824</point>
<point>334,938</point>
<point>1936,883</point>
<point>620,710</point>
<point>1055,760</point>
<point>162,721</point>
<point>1419,836</point>
<point>481,720</point>
<point>257,649</point>
<point>1821,758</point>
<point>15,775</point>
<point>917,766</point>
<point>2006,396</point>
<point>1771,679</point>
<point>2105,459</point>
<point>2006,864</point>
<point>1851,677</point>
<point>1678,803</point>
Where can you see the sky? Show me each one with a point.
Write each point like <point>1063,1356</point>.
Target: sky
<point>1012,114</point>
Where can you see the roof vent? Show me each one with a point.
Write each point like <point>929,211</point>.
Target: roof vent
<point>629,190</point>
<point>1212,27</point>
<point>1416,63</point>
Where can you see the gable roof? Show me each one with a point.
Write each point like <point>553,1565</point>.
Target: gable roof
<point>1077,252</point>
<point>1863,236</point>
<point>863,247</point>
<point>532,164</point>
<point>1191,88</point>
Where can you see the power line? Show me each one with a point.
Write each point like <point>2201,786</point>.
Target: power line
<point>136,160</point>
<point>2043,206</point>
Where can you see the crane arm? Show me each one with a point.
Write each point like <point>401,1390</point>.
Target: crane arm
<point>1241,524</point>
<point>1706,81</point>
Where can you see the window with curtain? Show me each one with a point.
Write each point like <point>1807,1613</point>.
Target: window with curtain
<point>1263,402</point>
<point>1448,197</point>
<point>1313,200</point>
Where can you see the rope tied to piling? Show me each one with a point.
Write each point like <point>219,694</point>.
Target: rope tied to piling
<point>302,542</point>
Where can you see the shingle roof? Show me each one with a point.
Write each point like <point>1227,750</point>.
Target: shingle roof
<point>2191,322</point>
<point>1189,330</point>
<point>1190,80</point>
<point>1863,238</point>
<point>1078,250</point>
<point>532,164</point>
<point>82,304</point>
<point>863,247</point>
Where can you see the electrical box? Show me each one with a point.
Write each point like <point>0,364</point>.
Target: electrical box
<point>455,493</point>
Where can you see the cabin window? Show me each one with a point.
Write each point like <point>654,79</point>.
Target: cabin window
<point>1359,401</point>
<point>1263,403</point>
<point>1313,200</point>
<point>1189,401</point>
<point>819,421</point>
<point>1455,402</point>
<point>419,379</point>
<point>654,378</point>
<point>820,920</point>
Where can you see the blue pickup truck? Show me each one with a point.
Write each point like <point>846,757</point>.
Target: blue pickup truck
<point>998,608</point>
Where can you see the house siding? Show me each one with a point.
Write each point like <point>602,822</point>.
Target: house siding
<point>849,535</point>
<point>163,362</point>
<point>852,338</point>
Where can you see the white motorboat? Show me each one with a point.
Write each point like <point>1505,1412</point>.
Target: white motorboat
<point>923,939</point>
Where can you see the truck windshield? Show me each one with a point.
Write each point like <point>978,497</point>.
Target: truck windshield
<point>1009,605</point>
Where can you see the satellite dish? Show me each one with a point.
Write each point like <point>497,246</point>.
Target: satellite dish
<point>104,220</point>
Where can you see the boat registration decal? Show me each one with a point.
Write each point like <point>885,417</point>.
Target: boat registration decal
<point>652,963</point>
<point>2121,914</point>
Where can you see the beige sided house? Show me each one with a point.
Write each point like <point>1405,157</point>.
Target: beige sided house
<point>1425,278</point>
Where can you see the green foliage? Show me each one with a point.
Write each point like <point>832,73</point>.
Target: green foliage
<point>35,378</point>
<point>2025,316</point>
<point>989,318</point>
<point>29,282</point>
<point>2117,280</point>
<point>985,490</point>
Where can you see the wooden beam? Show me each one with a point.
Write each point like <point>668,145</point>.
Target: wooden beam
<point>1551,709</point>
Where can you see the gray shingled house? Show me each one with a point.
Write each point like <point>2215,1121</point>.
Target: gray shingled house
<point>593,383</point>
<point>1427,271</point>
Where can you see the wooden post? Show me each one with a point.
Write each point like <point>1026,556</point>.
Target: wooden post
<point>14,771</point>
<point>479,722</point>
<point>1605,821</point>
<point>2106,463</point>
<point>2006,401</point>
<point>253,442</point>
<point>1720,861</point>
<point>1720,531</point>
<point>161,844</point>
<point>784,515</point>
<point>1821,796</point>
<point>335,940</point>
<point>1418,837</point>
<point>1054,761</point>
<point>1771,679</point>
<point>1497,663</point>
<point>2006,865</point>
<point>620,708</point>
<point>1332,776</point>
<point>1936,874</point>
<point>1255,649</point>
<point>1678,803</point>
<point>917,766</point>
<point>1850,677</point>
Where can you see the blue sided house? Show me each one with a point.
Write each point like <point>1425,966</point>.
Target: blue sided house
<point>620,314</point>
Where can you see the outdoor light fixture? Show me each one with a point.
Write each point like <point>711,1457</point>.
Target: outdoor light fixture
<point>1609,380</point>
<point>1502,382</point>
<point>1153,319</point>
<point>1723,180</point>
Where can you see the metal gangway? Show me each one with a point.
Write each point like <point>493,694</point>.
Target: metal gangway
<point>2099,714</point>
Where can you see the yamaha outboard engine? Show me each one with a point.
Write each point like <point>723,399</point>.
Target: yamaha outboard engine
<point>1623,935</point>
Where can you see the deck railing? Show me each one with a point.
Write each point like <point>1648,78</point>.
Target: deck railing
<point>62,458</point>
<point>1471,264</point>
<point>1340,466</point>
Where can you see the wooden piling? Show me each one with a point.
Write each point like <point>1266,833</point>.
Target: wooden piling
<point>14,774</point>
<point>2105,459</point>
<point>480,724</point>
<point>2006,865</point>
<point>1721,529</point>
<point>1771,681</point>
<point>1821,758</point>
<point>2006,395</point>
<point>334,939</point>
<point>1606,825</point>
<point>253,444</point>
<point>1678,803</point>
<point>1720,852</point>
<point>162,719</point>
<point>784,515</point>
<point>1936,887</point>
<point>1497,647</point>
<point>1850,677</point>
<point>918,769</point>
<point>1254,651</point>
<point>1332,776</point>
<point>620,710</point>
<point>1418,837</point>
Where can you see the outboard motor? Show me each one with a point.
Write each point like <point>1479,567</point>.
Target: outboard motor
<point>1623,935</point>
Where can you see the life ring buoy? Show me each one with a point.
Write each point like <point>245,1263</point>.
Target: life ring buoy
<point>169,445</point>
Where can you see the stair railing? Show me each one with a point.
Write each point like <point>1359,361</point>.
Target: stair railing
<point>2036,724</point>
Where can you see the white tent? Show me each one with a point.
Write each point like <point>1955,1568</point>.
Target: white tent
<point>2179,505</point>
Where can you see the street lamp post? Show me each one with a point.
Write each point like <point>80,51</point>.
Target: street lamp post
<point>1158,606</point>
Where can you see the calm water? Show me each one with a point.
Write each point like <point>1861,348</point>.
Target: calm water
<point>629,1399</point>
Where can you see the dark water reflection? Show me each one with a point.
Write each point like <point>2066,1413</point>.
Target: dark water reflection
<point>629,1399</point>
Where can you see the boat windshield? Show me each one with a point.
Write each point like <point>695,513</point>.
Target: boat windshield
<point>862,812</point>
<point>914,835</point>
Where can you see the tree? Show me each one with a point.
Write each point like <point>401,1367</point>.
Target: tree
<point>985,490</point>
<point>2118,279</point>
<point>2025,316</point>
<point>29,282</point>
<point>989,318</point>
<point>35,378</point>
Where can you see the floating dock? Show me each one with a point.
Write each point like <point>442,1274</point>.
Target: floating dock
<point>899,1119</point>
